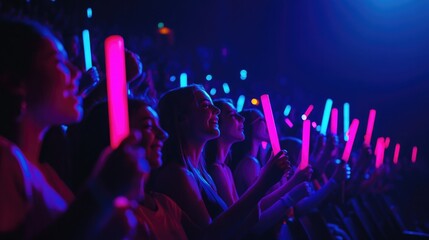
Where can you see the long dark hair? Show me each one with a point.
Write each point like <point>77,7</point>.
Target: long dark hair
<point>19,45</point>
<point>173,107</point>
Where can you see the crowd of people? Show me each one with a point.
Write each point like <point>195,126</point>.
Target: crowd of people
<point>193,167</point>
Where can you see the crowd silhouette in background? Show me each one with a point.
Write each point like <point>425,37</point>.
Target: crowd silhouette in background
<point>193,167</point>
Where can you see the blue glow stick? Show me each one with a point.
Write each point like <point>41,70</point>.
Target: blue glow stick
<point>326,114</point>
<point>226,88</point>
<point>87,49</point>
<point>183,80</point>
<point>346,114</point>
<point>240,103</point>
<point>287,110</point>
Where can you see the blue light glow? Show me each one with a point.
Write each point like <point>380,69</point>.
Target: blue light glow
<point>172,78</point>
<point>213,91</point>
<point>240,103</point>
<point>243,74</point>
<point>183,80</point>
<point>160,25</point>
<point>226,88</point>
<point>287,110</point>
<point>89,12</point>
<point>209,77</point>
<point>87,49</point>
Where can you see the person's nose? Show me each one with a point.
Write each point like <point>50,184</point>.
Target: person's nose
<point>161,134</point>
<point>215,110</point>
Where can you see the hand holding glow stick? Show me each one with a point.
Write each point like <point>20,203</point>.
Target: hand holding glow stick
<point>271,125</point>
<point>116,89</point>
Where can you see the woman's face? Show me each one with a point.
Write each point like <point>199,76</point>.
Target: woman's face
<point>153,136</point>
<point>231,124</point>
<point>260,130</point>
<point>202,120</point>
<point>52,97</point>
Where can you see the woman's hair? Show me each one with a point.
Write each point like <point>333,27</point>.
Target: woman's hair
<point>241,149</point>
<point>173,107</point>
<point>210,150</point>
<point>19,45</point>
<point>95,135</point>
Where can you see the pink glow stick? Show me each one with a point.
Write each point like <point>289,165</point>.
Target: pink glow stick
<point>349,144</point>
<point>308,111</point>
<point>305,144</point>
<point>396,153</point>
<point>414,155</point>
<point>116,89</point>
<point>271,125</point>
<point>289,122</point>
<point>386,142</point>
<point>334,121</point>
<point>369,127</point>
<point>379,152</point>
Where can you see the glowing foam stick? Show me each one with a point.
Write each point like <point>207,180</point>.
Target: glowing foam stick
<point>87,49</point>
<point>226,88</point>
<point>287,110</point>
<point>369,127</point>
<point>271,125</point>
<point>305,144</point>
<point>325,119</point>
<point>386,142</point>
<point>289,122</point>
<point>414,155</point>
<point>334,121</point>
<point>308,111</point>
<point>116,89</point>
<point>379,152</point>
<point>349,145</point>
<point>183,80</point>
<point>346,121</point>
<point>240,103</point>
<point>396,153</point>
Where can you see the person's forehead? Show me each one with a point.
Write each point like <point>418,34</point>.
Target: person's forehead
<point>52,46</point>
<point>201,95</point>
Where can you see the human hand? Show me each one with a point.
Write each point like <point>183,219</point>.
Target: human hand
<point>274,169</point>
<point>297,193</point>
<point>302,175</point>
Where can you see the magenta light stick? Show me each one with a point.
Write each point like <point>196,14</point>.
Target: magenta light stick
<point>396,153</point>
<point>116,89</point>
<point>386,142</point>
<point>369,127</point>
<point>379,152</point>
<point>334,121</point>
<point>349,144</point>
<point>289,122</point>
<point>305,144</point>
<point>414,155</point>
<point>308,111</point>
<point>271,125</point>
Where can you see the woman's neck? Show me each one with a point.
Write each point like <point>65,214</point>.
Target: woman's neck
<point>30,138</point>
<point>222,149</point>
<point>193,150</point>
<point>254,148</point>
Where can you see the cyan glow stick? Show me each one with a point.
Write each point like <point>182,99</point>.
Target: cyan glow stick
<point>183,80</point>
<point>240,103</point>
<point>369,127</point>
<point>116,89</point>
<point>349,144</point>
<point>334,121</point>
<point>271,125</point>
<point>414,155</point>
<point>346,121</point>
<point>87,49</point>
<point>396,153</point>
<point>226,88</point>
<point>289,122</point>
<point>325,119</point>
<point>379,152</point>
<point>287,110</point>
<point>305,144</point>
<point>89,12</point>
